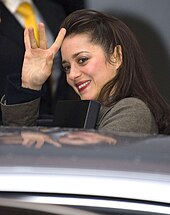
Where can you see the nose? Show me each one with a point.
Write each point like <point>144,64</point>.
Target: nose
<point>74,72</point>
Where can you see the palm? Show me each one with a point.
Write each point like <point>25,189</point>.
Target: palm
<point>37,67</point>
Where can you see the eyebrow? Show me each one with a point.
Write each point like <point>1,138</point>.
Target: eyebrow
<point>75,55</point>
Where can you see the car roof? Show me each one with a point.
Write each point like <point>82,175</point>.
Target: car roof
<point>132,166</point>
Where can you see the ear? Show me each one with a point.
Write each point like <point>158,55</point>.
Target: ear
<point>117,56</point>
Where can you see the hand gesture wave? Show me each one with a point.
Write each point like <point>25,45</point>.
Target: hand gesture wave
<point>38,61</point>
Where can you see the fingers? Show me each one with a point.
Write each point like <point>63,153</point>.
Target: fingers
<point>28,142</point>
<point>57,44</point>
<point>39,144</point>
<point>55,143</point>
<point>42,36</point>
<point>27,39</point>
<point>30,41</point>
<point>32,38</point>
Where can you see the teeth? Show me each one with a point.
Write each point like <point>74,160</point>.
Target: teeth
<point>84,84</point>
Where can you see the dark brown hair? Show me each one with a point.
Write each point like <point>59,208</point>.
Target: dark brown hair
<point>133,78</point>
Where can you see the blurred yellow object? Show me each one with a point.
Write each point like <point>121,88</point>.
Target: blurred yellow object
<point>27,12</point>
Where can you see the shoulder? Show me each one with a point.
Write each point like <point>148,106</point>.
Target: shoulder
<point>131,103</point>
<point>127,105</point>
<point>129,114</point>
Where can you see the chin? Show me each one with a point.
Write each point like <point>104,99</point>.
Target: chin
<point>87,97</point>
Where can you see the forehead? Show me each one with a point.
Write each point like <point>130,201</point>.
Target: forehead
<point>78,42</point>
<point>75,39</point>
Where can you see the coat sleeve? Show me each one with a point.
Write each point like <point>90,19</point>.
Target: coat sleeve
<point>24,114</point>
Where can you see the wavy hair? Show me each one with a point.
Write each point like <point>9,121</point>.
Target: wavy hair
<point>133,78</point>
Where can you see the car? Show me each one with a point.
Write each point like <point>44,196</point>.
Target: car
<point>83,171</point>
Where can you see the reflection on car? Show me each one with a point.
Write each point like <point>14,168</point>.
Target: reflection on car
<point>83,171</point>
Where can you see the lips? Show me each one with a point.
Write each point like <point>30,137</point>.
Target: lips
<point>82,85</point>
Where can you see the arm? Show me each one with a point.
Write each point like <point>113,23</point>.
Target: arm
<point>36,69</point>
<point>24,114</point>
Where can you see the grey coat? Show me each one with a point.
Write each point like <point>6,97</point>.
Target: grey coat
<point>127,115</point>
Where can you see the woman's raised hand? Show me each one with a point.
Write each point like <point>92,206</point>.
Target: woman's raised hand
<point>38,61</point>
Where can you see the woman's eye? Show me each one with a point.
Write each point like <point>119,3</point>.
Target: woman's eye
<point>66,69</point>
<point>82,60</point>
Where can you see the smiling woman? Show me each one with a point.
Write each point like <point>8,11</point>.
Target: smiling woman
<point>86,67</point>
<point>103,61</point>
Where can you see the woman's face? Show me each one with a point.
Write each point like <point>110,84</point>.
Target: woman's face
<point>86,67</point>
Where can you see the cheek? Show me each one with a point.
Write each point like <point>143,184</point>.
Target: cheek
<point>96,70</point>
<point>92,68</point>
<point>68,80</point>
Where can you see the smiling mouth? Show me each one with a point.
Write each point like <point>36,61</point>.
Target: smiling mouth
<point>82,86</point>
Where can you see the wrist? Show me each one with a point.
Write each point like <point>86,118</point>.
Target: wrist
<point>31,86</point>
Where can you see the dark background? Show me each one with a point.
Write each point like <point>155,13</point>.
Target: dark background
<point>150,21</point>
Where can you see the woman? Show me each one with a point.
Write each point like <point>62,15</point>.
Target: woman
<point>103,61</point>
